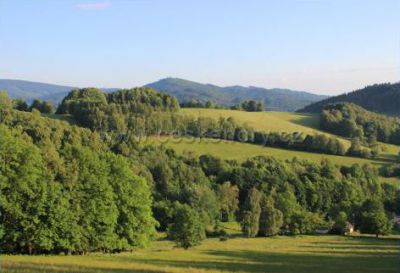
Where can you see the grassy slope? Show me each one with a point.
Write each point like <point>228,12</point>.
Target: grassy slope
<point>302,254</point>
<point>265,121</point>
<point>242,151</point>
<point>280,122</point>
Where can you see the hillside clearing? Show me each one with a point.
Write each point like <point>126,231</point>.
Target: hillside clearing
<point>272,122</point>
<point>242,151</point>
<point>281,122</point>
<point>263,121</point>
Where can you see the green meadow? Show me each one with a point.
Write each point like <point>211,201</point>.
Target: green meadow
<point>301,254</point>
<point>283,122</point>
<point>242,151</point>
<point>263,121</point>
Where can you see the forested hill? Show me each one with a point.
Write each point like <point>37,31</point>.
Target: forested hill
<point>29,90</point>
<point>33,90</point>
<point>275,99</point>
<point>351,120</point>
<point>382,98</point>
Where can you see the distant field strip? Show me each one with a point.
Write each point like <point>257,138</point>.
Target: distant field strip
<point>242,151</point>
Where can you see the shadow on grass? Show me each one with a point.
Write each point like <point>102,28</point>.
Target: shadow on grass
<point>307,120</point>
<point>261,262</point>
<point>363,255</point>
<point>360,243</point>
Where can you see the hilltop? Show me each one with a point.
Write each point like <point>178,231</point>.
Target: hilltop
<point>382,98</point>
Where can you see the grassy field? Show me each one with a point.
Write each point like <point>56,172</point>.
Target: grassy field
<point>302,254</point>
<point>242,151</point>
<point>280,122</point>
<point>263,121</point>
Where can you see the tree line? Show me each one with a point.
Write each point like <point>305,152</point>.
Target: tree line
<point>42,106</point>
<point>248,105</point>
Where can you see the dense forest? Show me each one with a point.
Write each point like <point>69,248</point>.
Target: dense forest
<point>382,98</point>
<point>63,190</point>
<point>350,120</point>
<point>68,189</point>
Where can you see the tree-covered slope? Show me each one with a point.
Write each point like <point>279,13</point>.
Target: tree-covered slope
<point>29,90</point>
<point>383,98</point>
<point>63,190</point>
<point>274,99</point>
<point>351,120</point>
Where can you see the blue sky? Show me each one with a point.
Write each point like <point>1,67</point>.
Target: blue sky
<point>327,47</point>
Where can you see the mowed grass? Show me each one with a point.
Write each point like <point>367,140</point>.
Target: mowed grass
<point>280,122</point>
<point>232,150</point>
<point>263,121</point>
<point>301,254</point>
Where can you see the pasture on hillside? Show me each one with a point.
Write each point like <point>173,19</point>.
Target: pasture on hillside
<point>263,121</point>
<point>241,151</point>
<point>281,122</point>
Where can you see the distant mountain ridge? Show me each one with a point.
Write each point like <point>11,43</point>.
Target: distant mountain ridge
<point>29,90</point>
<point>381,98</point>
<point>274,99</point>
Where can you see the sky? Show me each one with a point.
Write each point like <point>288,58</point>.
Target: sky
<point>321,46</point>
